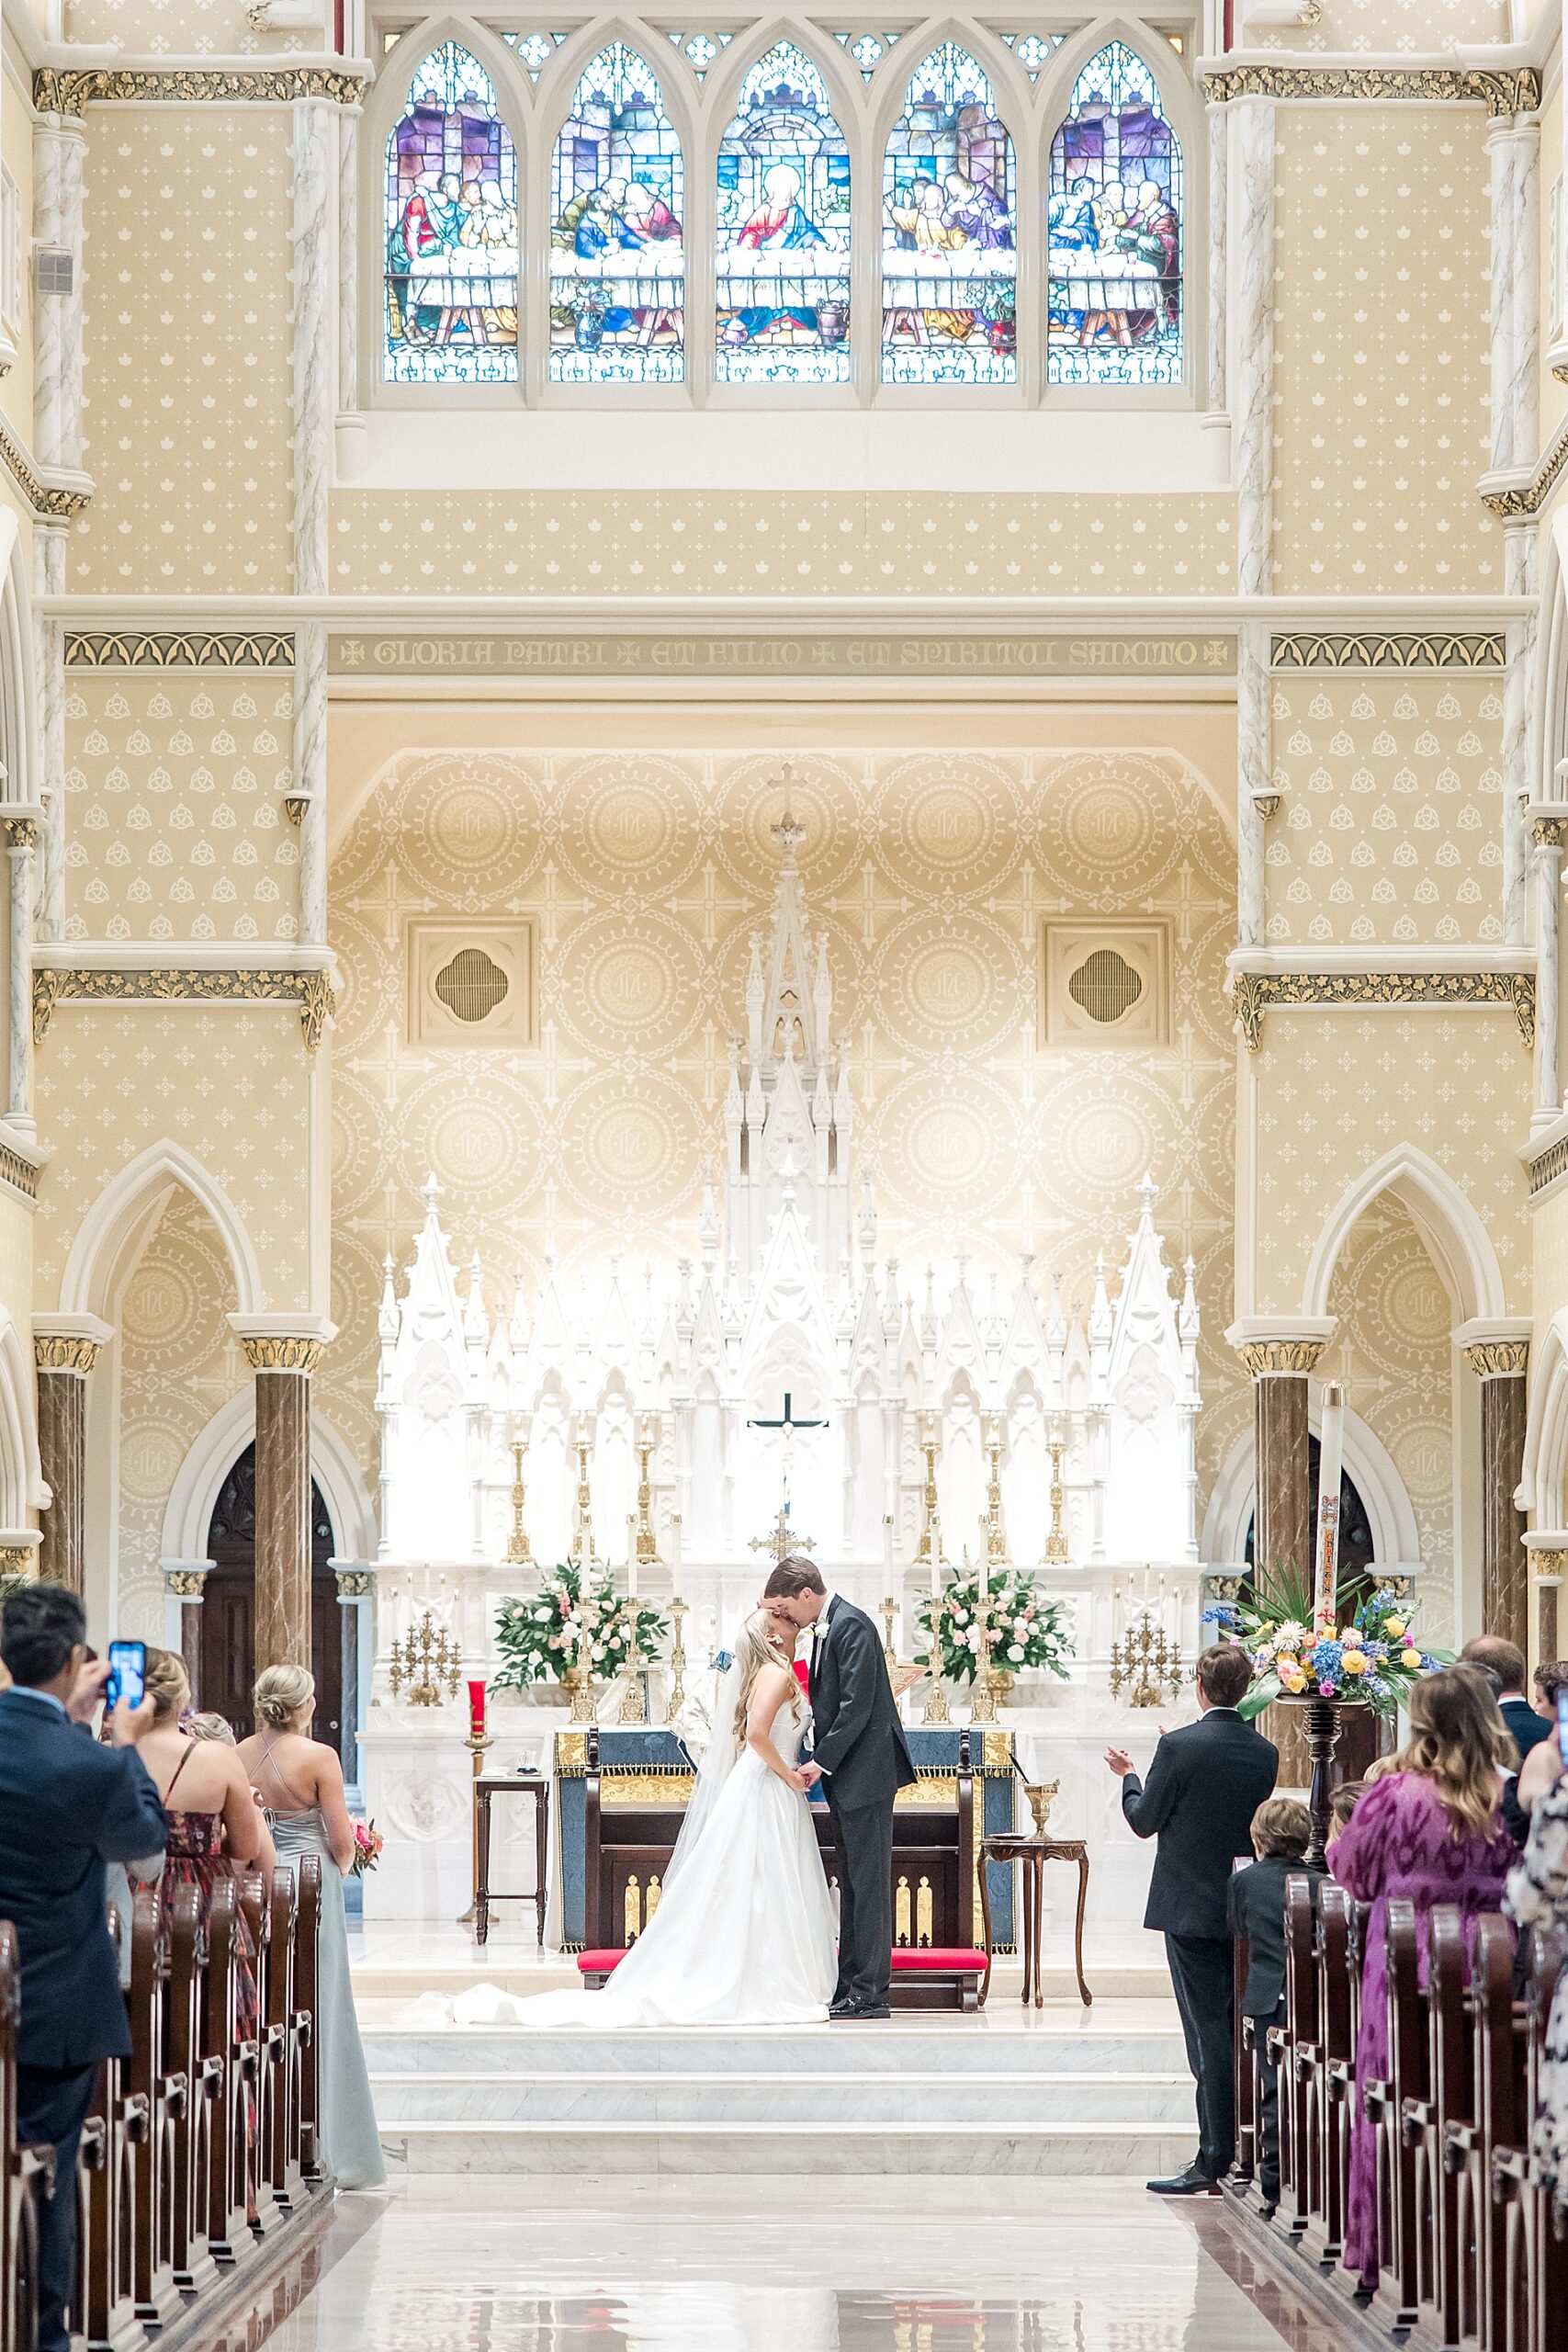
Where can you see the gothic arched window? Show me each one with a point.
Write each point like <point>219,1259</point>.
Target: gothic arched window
<point>451,224</point>
<point>949,231</point>
<point>617,210</point>
<point>782,261</point>
<point>1113,225</point>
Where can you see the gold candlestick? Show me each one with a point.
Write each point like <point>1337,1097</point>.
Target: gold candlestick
<point>889,1648</point>
<point>931,1532</point>
<point>582,1545</point>
<point>677,1656</point>
<point>983,1708</point>
<point>995,1533</point>
<point>1147,1659</point>
<point>517,1552</point>
<point>579,1682</point>
<point>1056,1541</point>
<point>647,1544</point>
<point>476,1743</point>
<point>935,1715</point>
<point>424,1659</point>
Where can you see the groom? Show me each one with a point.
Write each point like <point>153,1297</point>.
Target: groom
<point>859,1749</point>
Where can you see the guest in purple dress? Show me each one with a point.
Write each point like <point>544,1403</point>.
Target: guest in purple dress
<point>1429,1829</point>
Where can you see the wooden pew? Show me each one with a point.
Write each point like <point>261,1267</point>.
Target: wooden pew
<point>307,1953</point>
<point>190,2260</point>
<point>281,2038</point>
<point>263,2053</point>
<point>1301,2070</point>
<point>1535,2257</point>
<point>1399,2244</point>
<point>26,2175</point>
<point>164,2096</point>
<point>1498,2071</point>
<point>228,2064</point>
<point>1339,1950</point>
<point>1445,2224</point>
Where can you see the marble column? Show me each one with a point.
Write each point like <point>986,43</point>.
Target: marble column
<point>355,1586</point>
<point>1219,254</point>
<point>1513,145</point>
<point>50,543</point>
<point>283,1359</point>
<point>1280,1362</point>
<point>1522,774</point>
<point>59,145</point>
<point>1251,175</point>
<point>1253,758</point>
<point>21,832</point>
<point>1549,829</point>
<point>1498,1353</point>
<point>185,1581</point>
<point>66,1349</point>
<point>315,197</point>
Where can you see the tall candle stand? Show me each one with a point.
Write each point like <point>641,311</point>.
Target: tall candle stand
<point>930,1549</point>
<point>1056,1541</point>
<point>646,1543</point>
<point>479,1743</point>
<point>936,1715</point>
<point>583,1546</point>
<point>678,1608</point>
<point>517,1552</point>
<point>995,1533</point>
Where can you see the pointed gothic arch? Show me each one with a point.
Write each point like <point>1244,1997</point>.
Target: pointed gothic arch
<point>1452,1230</point>
<point>107,1240</point>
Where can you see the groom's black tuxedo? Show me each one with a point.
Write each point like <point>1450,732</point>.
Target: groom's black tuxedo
<point>859,1742</point>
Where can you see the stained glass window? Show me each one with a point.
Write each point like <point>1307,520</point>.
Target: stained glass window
<point>1113,224</point>
<point>949,231</point>
<point>451,224</point>
<point>617,259</point>
<point>783,287</point>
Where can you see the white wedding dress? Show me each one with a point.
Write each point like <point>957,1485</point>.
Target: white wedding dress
<point>744,1933</point>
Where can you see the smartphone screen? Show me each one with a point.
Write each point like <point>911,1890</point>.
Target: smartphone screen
<point>127,1674</point>
<point>1562,1725</point>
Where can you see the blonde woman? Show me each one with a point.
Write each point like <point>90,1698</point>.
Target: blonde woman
<point>743,1934</point>
<point>1429,1828</point>
<point>214,1822</point>
<point>299,1781</point>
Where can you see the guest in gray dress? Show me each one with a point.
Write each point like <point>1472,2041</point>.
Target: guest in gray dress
<point>299,1782</point>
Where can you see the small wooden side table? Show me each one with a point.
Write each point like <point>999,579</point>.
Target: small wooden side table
<point>1034,1853</point>
<point>512,1784</point>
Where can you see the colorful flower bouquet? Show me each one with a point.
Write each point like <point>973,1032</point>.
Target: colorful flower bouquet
<point>577,1619</point>
<point>1372,1659</point>
<point>367,1844</point>
<point>999,1618</point>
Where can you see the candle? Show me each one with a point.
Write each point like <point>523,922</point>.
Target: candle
<point>936,1576</point>
<point>476,1710</point>
<point>631,1556</point>
<point>1326,1583</point>
<point>887,1546</point>
<point>675,1553</point>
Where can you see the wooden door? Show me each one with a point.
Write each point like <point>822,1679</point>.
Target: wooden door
<point>228,1609</point>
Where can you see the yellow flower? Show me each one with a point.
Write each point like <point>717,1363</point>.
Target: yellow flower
<point>1412,1658</point>
<point>1394,1625</point>
<point>1296,1682</point>
<point>1354,1662</point>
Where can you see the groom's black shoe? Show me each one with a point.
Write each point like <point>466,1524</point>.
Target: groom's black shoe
<point>853,2011</point>
<point>1193,2182</point>
<point>840,2006</point>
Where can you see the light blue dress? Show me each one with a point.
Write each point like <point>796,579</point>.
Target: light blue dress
<point>351,2143</point>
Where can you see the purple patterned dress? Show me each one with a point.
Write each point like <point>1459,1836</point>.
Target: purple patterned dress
<point>1399,1844</point>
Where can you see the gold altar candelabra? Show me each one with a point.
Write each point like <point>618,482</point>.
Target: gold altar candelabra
<point>424,1659</point>
<point>582,1545</point>
<point>936,1714</point>
<point>995,1533</point>
<point>1146,1658</point>
<point>647,1543</point>
<point>677,1699</point>
<point>517,1552</point>
<point>1056,1541</point>
<point>930,1552</point>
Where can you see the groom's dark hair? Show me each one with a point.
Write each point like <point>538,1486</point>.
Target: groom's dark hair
<point>792,1577</point>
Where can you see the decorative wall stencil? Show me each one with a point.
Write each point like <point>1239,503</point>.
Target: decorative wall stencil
<point>1381,392</point>
<point>210,373</point>
<point>1386,26</point>
<point>174,788</point>
<point>1255,992</point>
<point>1104,984</point>
<point>1389,828</point>
<point>1393,1352</point>
<point>695,543</point>
<point>178,649</point>
<point>1453,1084</point>
<point>1391,650</point>
<point>646,875</point>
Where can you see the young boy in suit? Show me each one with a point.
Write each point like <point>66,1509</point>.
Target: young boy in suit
<point>1281,1831</point>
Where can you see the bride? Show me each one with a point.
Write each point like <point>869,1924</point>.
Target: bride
<point>744,1931</point>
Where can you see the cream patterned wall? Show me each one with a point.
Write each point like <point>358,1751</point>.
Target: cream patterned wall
<point>1393,1352</point>
<point>737,543</point>
<point>189,367</point>
<point>1333,1094</point>
<point>179,1363</point>
<point>1380,339</point>
<point>227,1082</point>
<point>17,146</point>
<point>1426,28</point>
<point>169,28</point>
<point>175,814</point>
<point>1388,828</point>
<point>647,875</point>
<point>1548,1226</point>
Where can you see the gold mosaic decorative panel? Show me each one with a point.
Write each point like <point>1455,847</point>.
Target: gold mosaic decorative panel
<point>647,875</point>
<point>735,543</point>
<point>1389,830</point>
<point>1381,337</point>
<point>1336,1091</point>
<point>1393,1352</point>
<point>174,813</point>
<point>227,1082</point>
<point>188,366</point>
<point>179,1363</point>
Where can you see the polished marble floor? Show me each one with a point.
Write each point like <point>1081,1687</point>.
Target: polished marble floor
<point>760,2265</point>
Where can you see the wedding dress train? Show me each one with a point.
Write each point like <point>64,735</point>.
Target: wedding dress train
<point>744,1932</point>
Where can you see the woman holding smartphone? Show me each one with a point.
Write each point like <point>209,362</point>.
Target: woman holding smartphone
<point>1538,1897</point>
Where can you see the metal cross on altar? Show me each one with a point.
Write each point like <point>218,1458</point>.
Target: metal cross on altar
<point>780,1540</point>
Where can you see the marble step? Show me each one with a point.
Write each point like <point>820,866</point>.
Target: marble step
<point>796,2151</point>
<point>994,2044</point>
<point>755,2102</point>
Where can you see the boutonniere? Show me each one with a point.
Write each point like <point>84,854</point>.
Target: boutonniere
<point>820,1631</point>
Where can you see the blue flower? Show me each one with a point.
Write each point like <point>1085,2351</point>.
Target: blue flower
<point>1324,1659</point>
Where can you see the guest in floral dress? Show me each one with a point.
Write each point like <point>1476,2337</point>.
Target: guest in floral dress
<point>1538,1897</point>
<point>1429,1829</point>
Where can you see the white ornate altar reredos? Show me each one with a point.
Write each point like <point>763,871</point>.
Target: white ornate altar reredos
<point>568,1399</point>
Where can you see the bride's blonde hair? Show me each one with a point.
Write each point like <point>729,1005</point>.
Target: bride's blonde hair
<point>757,1646</point>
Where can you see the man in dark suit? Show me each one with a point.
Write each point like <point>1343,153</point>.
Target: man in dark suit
<point>1505,1661</point>
<point>67,1806</point>
<point>858,1749</point>
<point>1206,1783</point>
<point>1282,1831</point>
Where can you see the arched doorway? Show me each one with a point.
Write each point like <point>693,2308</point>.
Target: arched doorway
<point>228,1608</point>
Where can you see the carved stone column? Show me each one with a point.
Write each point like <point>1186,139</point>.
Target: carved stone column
<point>185,1581</point>
<point>1250,188</point>
<point>355,1584</point>
<point>66,1349</point>
<point>283,1352</point>
<point>1498,1353</point>
<point>21,831</point>
<point>1549,828</point>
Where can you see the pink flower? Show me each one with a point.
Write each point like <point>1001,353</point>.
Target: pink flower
<point>1326,1689</point>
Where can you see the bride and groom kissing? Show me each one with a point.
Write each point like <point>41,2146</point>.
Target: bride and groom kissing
<point>744,1932</point>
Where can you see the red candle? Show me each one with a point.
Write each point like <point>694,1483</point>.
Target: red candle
<point>476,1710</point>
